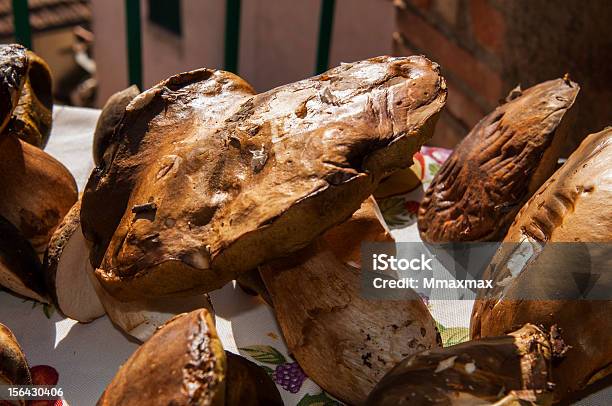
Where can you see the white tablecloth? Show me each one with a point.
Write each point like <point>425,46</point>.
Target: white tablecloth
<point>88,355</point>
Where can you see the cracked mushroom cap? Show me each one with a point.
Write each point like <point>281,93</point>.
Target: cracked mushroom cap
<point>14,368</point>
<point>204,180</point>
<point>343,341</point>
<point>571,208</point>
<point>498,166</point>
<point>36,189</point>
<point>182,364</point>
<point>13,72</point>
<point>514,369</point>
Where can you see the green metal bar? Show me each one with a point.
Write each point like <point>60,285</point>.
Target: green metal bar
<point>325,35</point>
<point>134,42</point>
<point>21,22</point>
<point>232,35</point>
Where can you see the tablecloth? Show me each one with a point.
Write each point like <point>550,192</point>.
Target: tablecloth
<point>88,355</point>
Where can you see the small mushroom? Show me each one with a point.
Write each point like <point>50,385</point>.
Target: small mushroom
<point>343,341</point>
<point>514,369</point>
<point>248,384</point>
<point>37,191</point>
<point>67,271</point>
<point>14,368</point>
<point>20,268</point>
<point>109,119</point>
<point>183,363</point>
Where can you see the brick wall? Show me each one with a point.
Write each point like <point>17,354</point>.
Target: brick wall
<point>487,47</point>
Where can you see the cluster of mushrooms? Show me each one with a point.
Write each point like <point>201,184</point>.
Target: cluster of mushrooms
<point>200,181</point>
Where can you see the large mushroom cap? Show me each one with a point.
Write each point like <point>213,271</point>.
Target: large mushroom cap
<point>204,180</point>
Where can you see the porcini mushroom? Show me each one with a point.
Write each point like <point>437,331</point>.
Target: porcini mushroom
<point>343,341</point>
<point>70,280</point>
<point>498,166</point>
<point>204,180</point>
<point>190,370</point>
<point>514,369</point>
<point>549,249</point>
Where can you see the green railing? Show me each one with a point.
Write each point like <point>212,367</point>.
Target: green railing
<point>23,34</point>
<point>21,22</point>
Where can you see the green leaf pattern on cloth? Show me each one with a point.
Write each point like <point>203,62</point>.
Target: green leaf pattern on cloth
<point>394,212</point>
<point>322,399</point>
<point>47,308</point>
<point>265,354</point>
<point>453,335</point>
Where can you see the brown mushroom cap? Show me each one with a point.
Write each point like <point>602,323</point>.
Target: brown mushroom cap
<point>37,191</point>
<point>109,119</point>
<point>512,367</point>
<point>20,268</point>
<point>248,384</point>
<point>572,207</point>
<point>343,341</point>
<point>498,166</point>
<point>182,364</point>
<point>13,72</point>
<point>32,118</point>
<point>14,368</point>
<point>205,180</point>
